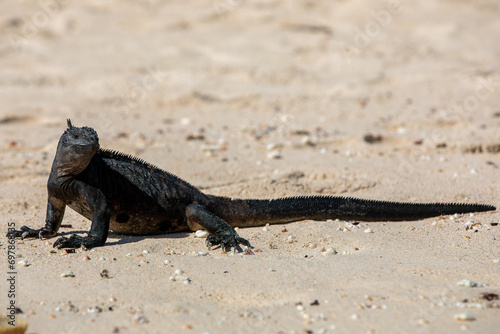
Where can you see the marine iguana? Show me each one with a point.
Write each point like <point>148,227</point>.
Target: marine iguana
<point>127,195</point>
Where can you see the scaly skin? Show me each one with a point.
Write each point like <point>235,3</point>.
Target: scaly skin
<point>127,195</point>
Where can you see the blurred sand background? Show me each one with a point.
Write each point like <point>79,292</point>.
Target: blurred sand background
<point>378,99</point>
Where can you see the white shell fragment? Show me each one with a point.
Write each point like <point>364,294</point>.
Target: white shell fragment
<point>201,234</point>
<point>465,316</point>
<point>265,229</point>
<point>469,225</point>
<point>23,263</point>
<point>185,121</point>
<point>273,146</point>
<point>330,251</point>
<point>274,155</point>
<point>470,284</point>
<point>68,273</point>
<point>479,306</point>
<point>201,254</point>
<point>495,260</point>
<point>349,225</point>
<point>179,277</point>
<point>368,230</point>
<point>307,140</point>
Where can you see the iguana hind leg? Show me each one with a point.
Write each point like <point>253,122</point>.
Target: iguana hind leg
<point>221,232</point>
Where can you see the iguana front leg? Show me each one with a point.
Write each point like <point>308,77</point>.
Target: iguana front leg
<point>96,202</point>
<point>221,232</point>
<point>55,213</point>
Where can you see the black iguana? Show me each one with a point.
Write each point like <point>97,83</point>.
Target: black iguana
<point>127,195</point>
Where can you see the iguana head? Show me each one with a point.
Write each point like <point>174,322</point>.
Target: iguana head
<point>83,138</point>
<point>76,148</point>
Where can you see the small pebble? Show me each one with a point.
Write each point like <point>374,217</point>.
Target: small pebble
<point>187,327</point>
<point>272,269</point>
<point>140,319</point>
<point>95,309</point>
<point>145,251</point>
<point>212,148</point>
<point>495,261</point>
<point>166,261</point>
<point>354,316</point>
<point>265,229</point>
<point>68,273</point>
<point>313,245</point>
<point>178,272</point>
<point>247,251</point>
<point>465,316</point>
<point>368,230</point>
<point>470,284</point>
<point>86,258</point>
<point>104,273</point>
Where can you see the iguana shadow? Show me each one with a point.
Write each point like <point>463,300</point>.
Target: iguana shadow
<point>127,239</point>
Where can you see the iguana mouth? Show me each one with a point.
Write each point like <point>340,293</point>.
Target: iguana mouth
<point>80,147</point>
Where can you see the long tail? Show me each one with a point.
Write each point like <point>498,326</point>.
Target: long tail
<point>257,212</point>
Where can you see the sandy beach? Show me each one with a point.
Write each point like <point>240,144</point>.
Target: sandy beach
<point>389,100</point>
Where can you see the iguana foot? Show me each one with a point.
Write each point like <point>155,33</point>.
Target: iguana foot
<point>76,241</point>
<point>27,232</point>
<point>226,240</point>
<point>221,233</point>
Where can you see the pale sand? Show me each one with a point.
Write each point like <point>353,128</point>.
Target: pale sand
<point>148,74</point>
